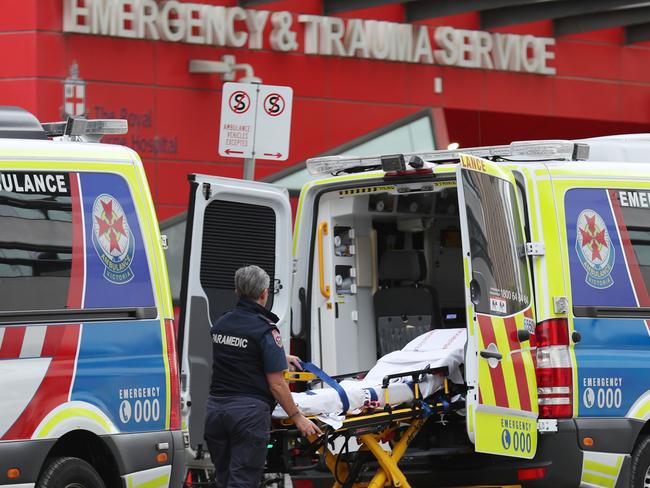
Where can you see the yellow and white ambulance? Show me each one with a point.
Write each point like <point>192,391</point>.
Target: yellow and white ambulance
<point>540,249</point>
<point>88,364</point>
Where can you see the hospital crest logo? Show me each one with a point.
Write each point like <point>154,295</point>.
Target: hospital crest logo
<point>594,249</point>
<point>113,239</point>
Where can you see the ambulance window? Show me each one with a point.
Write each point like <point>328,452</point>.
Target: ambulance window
<point>609,248</point>
<point>70,241</point>
<point>635,213</point>
<point>35,248</point>
<point>234,234</point>
<point>640,240</point>
<point>499,267</point>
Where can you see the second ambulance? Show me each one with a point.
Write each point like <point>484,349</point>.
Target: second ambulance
<point>540,249</point>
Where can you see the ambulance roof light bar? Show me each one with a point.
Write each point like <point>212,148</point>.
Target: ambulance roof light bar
<point>557,150</point>
<point>83,130</point>
<point>336,164</point>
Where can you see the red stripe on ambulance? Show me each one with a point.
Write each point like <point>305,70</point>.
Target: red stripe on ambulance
<point>632,263</point>
<point>518,364</point>
<point>54,388</point>
<point>496,374</point>
<point>12,342</point>
<point>76,287</point>
<point>60,342</point>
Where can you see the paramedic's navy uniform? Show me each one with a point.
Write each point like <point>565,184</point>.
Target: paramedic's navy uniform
<point>246,345</point>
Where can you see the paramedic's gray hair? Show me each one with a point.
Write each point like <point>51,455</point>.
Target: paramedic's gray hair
<point>251,281</point>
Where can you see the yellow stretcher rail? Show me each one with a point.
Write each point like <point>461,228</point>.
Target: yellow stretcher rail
<point>299,376</point>
<point>371,428</point>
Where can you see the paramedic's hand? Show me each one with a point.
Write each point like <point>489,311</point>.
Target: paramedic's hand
<point>294,363</point>
<point>306,426</point>
<point>280,391</point>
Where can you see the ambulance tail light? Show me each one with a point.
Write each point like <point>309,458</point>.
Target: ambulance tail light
<point>554,370</point>
<point>174,385</point>
<point>528,474</point>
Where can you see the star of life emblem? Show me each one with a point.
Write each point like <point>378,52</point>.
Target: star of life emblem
<point>594,249</point>
<point>113,239</point>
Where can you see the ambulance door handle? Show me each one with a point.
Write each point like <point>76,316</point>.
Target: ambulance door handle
<point>523,335</point>
<point>491,355</point>
<point>324,289</point>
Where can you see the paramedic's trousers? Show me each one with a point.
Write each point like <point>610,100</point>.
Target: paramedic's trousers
<point>237,433</point>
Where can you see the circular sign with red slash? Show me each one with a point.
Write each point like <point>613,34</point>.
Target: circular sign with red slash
<point>239,102</point>
<point>274,104</point>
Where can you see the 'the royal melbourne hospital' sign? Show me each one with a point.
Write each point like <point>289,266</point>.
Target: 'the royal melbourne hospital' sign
<point>194,23</point>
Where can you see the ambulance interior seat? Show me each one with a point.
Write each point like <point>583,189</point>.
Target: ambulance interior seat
<point>404,309</point>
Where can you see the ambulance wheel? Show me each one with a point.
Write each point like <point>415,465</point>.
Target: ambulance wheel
<point>641,464</point>
<point>69,472</point>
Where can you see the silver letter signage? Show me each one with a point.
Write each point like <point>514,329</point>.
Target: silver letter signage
<point>196,23</point>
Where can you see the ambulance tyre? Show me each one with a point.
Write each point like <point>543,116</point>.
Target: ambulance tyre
<point>641,464</point>
<point>69,472</point>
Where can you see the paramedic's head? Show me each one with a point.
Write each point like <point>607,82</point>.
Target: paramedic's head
<point>252,282</point>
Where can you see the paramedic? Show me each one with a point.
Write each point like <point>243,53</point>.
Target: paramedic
<point>247,380</point>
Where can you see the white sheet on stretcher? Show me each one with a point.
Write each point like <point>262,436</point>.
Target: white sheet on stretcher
<point>436,348</point>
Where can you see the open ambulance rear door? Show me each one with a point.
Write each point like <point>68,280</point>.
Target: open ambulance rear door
<point>230,223</point>
<point>500,368</point>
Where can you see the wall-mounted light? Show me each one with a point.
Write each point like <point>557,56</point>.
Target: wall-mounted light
<point>226,68</point>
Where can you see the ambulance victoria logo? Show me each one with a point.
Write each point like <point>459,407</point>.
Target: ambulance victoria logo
<point>594,248</point>
<point>113,239</point>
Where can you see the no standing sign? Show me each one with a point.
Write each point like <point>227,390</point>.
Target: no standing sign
<point>255,121</point>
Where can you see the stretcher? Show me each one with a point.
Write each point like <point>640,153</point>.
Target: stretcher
<point>394,426</point>
<point>345,395</point>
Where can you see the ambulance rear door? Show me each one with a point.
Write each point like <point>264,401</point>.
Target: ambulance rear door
<point>230,223</point>
<point>502,397</point>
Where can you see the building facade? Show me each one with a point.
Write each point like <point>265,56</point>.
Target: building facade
<point>367,75</point>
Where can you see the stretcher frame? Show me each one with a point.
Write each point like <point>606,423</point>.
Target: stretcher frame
<point>374,427</point>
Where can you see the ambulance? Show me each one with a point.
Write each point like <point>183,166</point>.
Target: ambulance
<point>88,366</point>
<point>539,249</point>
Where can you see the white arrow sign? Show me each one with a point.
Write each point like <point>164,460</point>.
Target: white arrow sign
<point>237,130</point>
<point>273,122</point>
<point>255,121</point>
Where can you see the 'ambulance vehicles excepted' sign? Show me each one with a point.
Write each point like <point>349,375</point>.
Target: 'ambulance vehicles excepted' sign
<point>255,121</point>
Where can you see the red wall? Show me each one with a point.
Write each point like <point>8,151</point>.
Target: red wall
<point>601,87</point>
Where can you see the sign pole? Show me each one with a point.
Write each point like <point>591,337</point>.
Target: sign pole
<point>249,168</point>
<point>249,163</point>
<point>255,123</point>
